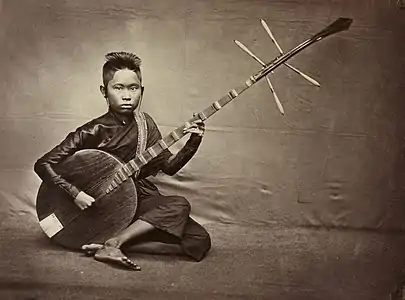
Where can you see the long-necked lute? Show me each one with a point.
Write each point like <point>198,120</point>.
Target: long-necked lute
<point>105,178</point>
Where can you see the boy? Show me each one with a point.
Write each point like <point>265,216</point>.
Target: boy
<point>162,219</point>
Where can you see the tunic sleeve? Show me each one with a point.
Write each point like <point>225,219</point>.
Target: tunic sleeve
<point>44,166</point>
<point>166,162</point>
<point>178,161</point>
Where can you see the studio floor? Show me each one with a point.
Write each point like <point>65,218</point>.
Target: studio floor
<point>245,263</point>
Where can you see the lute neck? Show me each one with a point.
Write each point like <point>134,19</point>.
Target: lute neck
<point>134,165</point>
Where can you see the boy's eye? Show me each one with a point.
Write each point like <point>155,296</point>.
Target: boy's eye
<point>134,88</point>
<point>117,87</point>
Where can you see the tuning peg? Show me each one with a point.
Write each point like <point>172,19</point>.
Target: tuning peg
<point>251,54</point>
<point>305,76</point>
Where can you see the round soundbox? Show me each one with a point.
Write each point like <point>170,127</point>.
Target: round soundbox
<point>90,171</point>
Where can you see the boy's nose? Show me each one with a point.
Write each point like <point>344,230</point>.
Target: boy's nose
<point>126,95</point>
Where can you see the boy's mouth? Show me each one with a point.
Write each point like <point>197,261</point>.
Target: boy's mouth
<point>126,106</point>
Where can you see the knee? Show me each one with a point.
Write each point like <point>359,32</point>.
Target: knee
<point>197,244</point>
<point>182,203</point>
<point>206,240</point>
<point>204,245</point>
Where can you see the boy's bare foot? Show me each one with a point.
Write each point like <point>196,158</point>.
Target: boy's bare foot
<point>113,255</point>
<point>110,253</point>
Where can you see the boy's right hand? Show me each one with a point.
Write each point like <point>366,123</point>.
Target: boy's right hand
<point>83,200</point>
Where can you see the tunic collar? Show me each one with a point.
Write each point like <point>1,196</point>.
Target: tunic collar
<point>120,120</point>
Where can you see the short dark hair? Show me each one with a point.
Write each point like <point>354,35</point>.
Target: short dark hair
<point>119,61</point>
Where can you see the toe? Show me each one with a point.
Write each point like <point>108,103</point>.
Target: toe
<point>92,247</point>
<point>131,264</point>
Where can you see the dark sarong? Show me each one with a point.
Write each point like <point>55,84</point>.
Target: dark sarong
<point>170,216</point>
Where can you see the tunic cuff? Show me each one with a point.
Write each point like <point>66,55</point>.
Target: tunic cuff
<point>194,141</point>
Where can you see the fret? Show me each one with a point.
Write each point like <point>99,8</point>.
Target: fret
<point>233,94</point>
<point>152,152</point>
<point>202,116</point>
<point>250,81</point>
<point>170,139</point>
<point>157,149</point>
<point>143,160</point>
<point>121,175</point>
<point>139,162</point>
<point>148,156</point>
<point>216,105</point>
<point>130,167</point>
<point>174,135</point>
<point>126,171</point>
<point>162,144</point>
<point>133,165</point>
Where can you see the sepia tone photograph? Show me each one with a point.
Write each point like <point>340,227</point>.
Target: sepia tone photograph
<point>189,149</point>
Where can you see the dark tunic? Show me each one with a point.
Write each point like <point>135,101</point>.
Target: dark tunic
<point>168,214</point>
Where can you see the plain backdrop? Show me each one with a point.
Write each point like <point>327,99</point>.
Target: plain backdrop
<point>335,159</point>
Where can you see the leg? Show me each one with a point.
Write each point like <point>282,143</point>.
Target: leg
<point>136,229</point>
<point>159,213</point>
<point>111,252</point>
<point>195,242</point>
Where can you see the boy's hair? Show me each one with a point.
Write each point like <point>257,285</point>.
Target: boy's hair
<point>119,61</point>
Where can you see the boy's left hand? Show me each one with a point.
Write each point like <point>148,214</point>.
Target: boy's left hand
<point>197,127</point>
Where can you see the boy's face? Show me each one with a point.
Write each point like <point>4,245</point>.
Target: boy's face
<point>123,92</point>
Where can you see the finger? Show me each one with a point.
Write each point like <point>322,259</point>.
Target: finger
<point>189,129</point>
<point>195,124</point>
<point>201,126</point>
<point>198,132</point>
<point>192,130</point>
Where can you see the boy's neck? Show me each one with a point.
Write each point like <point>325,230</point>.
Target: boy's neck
<point>123,118</point>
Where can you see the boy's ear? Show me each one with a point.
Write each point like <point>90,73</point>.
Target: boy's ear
<point>142,89</point>
<point>103,91</point>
